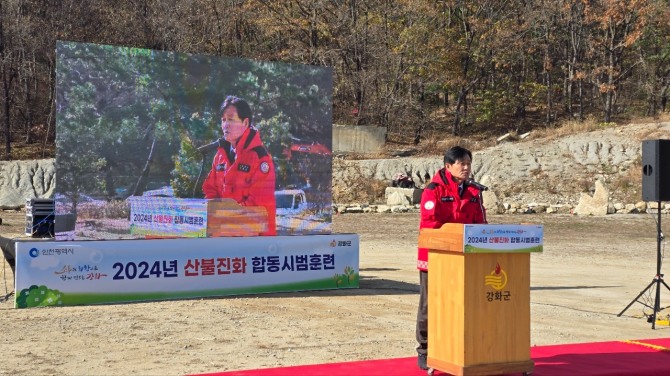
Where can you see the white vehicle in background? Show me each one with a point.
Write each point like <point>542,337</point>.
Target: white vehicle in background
<point>64,203</point>
<point>166,191</point>
<point>291,201</point>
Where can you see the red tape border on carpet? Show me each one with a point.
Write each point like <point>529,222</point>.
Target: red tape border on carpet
<point>639,357</point>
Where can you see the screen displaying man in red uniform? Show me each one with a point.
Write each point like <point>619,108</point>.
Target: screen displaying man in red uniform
<point>449,198</point>
<point>242,168</point>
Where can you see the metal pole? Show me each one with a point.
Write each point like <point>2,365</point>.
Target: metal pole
<point>659,276</point>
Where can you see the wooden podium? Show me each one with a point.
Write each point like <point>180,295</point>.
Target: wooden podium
<point>479,297</point>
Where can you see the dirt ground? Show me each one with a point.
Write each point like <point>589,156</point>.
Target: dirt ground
<point>591,268</point>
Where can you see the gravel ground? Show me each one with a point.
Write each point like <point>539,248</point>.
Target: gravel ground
<point>591,268</point>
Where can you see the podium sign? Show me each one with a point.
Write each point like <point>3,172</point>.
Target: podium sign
<point>156,217</point>
<point>475,238</point>
<point>479,297</point>
<point>168,216</point>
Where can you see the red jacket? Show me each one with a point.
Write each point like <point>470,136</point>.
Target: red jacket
<point>440,204</point>
<point>246,175</point>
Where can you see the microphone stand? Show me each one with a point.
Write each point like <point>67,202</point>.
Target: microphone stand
<point>203,152</point>
<point>197,181</point>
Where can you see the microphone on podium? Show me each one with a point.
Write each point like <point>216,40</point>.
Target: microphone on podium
<point>211,146</point>
<point>479,186</point>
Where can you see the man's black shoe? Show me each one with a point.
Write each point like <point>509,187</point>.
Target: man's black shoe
<point>421,361</point>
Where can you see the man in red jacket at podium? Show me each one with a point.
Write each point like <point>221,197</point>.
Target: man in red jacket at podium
<point>242,168</point>
<point>451,197</point>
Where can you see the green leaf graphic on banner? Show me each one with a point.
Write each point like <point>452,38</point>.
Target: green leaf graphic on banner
<point>349,278</point>
<point>38,296</point>
<point>338,279</point>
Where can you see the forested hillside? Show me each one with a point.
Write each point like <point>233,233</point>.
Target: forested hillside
<point>425,69</point>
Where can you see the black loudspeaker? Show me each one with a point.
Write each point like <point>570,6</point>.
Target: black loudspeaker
<point>656,170</point>
<point>40,226</point>
<point>40,217</point>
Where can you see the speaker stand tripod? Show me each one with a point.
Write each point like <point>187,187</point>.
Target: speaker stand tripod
<point>658,279</point>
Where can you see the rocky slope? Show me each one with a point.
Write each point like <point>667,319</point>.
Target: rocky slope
<point>548,171</point>
<point>544,170</point>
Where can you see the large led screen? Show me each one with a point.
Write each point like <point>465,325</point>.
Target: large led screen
<point>157,144</point>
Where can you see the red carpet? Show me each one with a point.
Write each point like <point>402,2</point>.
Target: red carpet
<point>641,357</point>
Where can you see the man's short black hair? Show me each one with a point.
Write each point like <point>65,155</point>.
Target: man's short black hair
<point>455,153</point>
<point>242,107</point>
